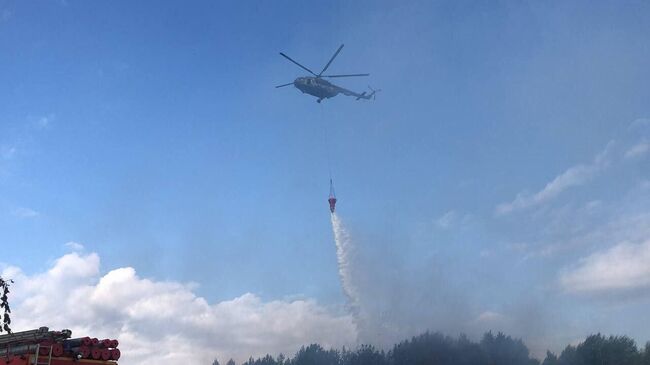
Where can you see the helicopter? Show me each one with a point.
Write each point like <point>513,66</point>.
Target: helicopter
<point>317,86</point>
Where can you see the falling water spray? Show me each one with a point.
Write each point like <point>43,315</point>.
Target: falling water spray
<point>344,256</point>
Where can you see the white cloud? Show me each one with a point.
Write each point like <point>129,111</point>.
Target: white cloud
<point>453,219</point>
<point>165,321</point>
<point>7,152</point>
<point>489,316</point>
<point>573,176</point>
<point>626,266</point>
<point>44,121</point>
<point>637,150</point>
<point>592,205</point>
<point>22,212</point>
<point>641,122</point>
<point>446,220</point>
<point>485,253</point>
<point>74,246</point>
<point>614,151</point>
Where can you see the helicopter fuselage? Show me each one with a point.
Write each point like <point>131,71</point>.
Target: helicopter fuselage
<point>322,89</point>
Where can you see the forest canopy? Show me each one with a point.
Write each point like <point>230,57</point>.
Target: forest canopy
<point>493,349</point>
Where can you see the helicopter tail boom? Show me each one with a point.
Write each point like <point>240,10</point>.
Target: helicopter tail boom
<point>363,95</point>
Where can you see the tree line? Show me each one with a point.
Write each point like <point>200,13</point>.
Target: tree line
<point>493,349</point>
<point>437,349</point>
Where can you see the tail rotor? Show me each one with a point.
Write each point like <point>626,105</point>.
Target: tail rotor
<point>373,93</point>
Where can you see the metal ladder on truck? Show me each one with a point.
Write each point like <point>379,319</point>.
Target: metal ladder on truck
<point>37,355</point>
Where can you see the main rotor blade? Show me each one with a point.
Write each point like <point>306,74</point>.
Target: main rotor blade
<point>350,75</point>
<point>291,83</point>
<point>331,59</point>
<point>299,65</point>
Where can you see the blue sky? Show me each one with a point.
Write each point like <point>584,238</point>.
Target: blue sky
<point>503,160</point>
